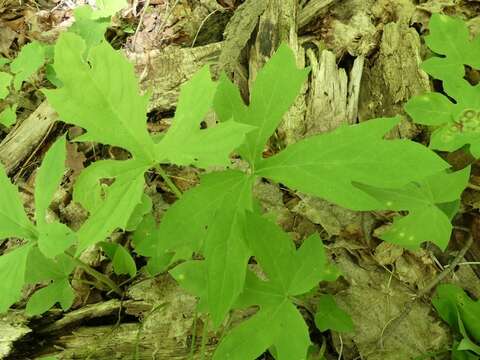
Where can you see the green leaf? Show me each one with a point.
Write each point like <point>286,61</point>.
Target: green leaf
<point>450,37</point>
<point>425,221</point>
<point>89,190</point>
<point>12,268</point>
<point>227,253</point>
<point>278,323</point>
<point>13,220</point>
<point>107,8</point>
<point>43,299</point>
<point>30,59</point>
<point>101,94</point>
<point>185,143</point>
<point>458,123</point>
<point>4,61</point>
<point>228,103</point>
<point>326,165</point>
<point>49,178</point>
<point>8,116</point>
<point>43,269</point>
<point>139,212</point>
<point>330,317</point>
<point>275,89</point>
<point>5,81</point>
<point>456,308</point>
<point>54,238</point>
<point>430,109</point>
<point>192,276</point>
<point>211,217</point>
<point>122,261</point>
<point>186,224</point>
<point>145,241</point>
<point>88,26</point>
<point>114,212</point>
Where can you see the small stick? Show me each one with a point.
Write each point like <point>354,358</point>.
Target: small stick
<point>392,324</point>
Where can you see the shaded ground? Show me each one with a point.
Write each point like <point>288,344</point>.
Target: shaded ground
<point>365,58</point>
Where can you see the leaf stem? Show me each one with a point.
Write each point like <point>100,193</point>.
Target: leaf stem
<point>97,275</point>
<point>204,339</point>
<point>169,182</point>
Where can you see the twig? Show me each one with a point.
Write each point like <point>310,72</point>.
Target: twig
<point>140,22</point>
<point>201,26</point>
<point>393,323</point>
<point>473,186</point>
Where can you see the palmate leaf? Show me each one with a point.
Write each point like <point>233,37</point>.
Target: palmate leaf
<point>55,273</point>
<point>29,60</point>
<point>45,239</point>
<point>275,89</point>
<point>210,219</point>
<point>326,165</point>
<point>458,123</point>
<point>450,37</point>
<point>185,143</point>
<point>101,94</point>
<point>278,323</point>
<point>49,177</point>
<point>42,300</point>
<point>425,221</point>
<point>108,105</point>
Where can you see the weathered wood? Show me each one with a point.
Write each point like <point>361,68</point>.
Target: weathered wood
<point>26,136</point>
<point>394,76</point>
<point>327,97</point>
<point>13,326</point>
<point>312,11</point>
<point>163,71</point>
<point>238,31</point>
<point>164,328</point>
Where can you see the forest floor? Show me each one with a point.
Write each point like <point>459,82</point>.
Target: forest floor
<point>365,57</point>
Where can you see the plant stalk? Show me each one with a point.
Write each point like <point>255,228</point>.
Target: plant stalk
<point>169,182</point>
<point>97,275</point>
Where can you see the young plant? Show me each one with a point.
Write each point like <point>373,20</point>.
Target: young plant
<point>41,258</point>
<point>213,218</point>
<point>456,117</point>
<point>108,105</point>
<point>463,314</point>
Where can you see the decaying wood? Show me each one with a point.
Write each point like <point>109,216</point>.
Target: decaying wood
<point>163,71</point>
<point>394,76</point>
<point>313,10</point>
<point>163,331</point>
<point>327,98</point>
<point>26,136</point>
<point>238,32</point>
<point>13,326</point>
